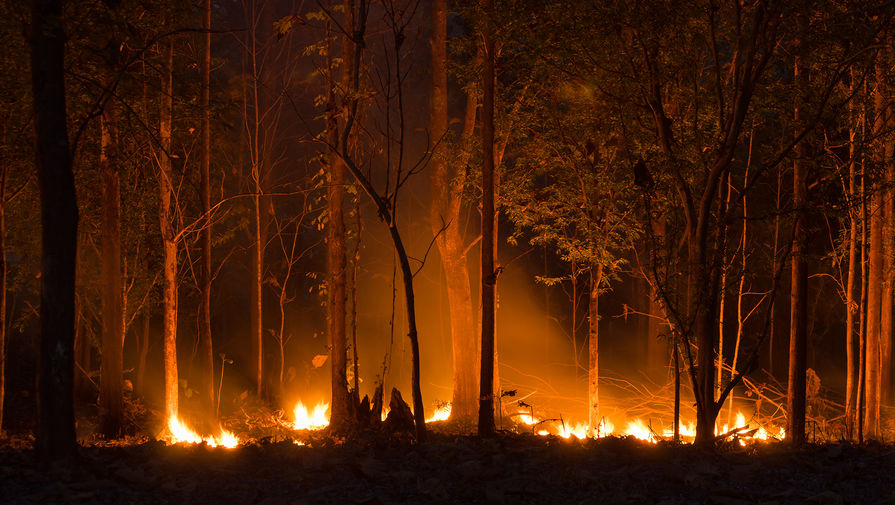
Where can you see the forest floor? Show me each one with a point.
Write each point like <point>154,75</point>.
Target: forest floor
<point>512,469</point>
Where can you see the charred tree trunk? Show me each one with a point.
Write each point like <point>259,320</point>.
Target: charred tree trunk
<point>206,351</point>
<point>59,233</point>
<point>111,380</point>
<point>341,412</point>
<point>445,222</point>
<point>798,332</point>
<point>169,244</point>
<point>489,236</point>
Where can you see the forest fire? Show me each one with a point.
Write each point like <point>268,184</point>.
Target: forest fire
<point>179,433</point>
<point>315,419</point>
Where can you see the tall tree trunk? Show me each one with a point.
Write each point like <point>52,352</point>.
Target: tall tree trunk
<point>206,352</point>
<point>256,312</point>
<point>111,399</point>
<point>798,332</point>
<point>888,301</point>
<point>59,234</point>
<point>444,217</point>
<point>340,408</point>
<point>593,350</point>
<point>169,245</point>
<point>877,262</point>
<point>489,236</point>
<point>851,306</point>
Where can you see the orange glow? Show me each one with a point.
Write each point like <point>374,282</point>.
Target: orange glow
<point>181,434</point>
<point>442,413</point>
<point>310,420</point>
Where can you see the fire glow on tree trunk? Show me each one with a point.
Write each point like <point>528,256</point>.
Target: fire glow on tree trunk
<point>169,244</point>
<point>340,413</point>
<point>445,222</point>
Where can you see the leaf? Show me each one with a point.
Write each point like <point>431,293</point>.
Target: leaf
<point>319,360</point>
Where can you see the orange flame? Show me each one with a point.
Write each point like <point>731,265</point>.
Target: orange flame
<point>181,434</point>
<point>310,420</point>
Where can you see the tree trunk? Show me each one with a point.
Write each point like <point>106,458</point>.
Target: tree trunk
<point>169,245</point>
<point>593,350</point>
<point>340,409</point>
<point>851,307</point>
<point>876,275</point>
<point>205,384</point>
<point>703,312</point>
<point>798,317</point>
<point>446,195</point>
<point>140,374</point>
<point>59,232</point>
<point>489,236</point>
<point>111,398</point>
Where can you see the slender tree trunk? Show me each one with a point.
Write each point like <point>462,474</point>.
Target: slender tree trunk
<point>489,236</point>
<point>169,245</point>
<point>111,380</point>
<point>206,350</point>
<point>593,346</point>
<point>139,379</point>
<point>256,314</point>
<point>341,412</point>
<point>798,333</point>
<point>865,283</point>
<point>851,307</point>
<point>740,288</point>
<point>59,233</point>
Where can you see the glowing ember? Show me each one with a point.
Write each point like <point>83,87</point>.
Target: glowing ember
<point>315,420</point>
<point>181,434</point>
<point>442,413</point>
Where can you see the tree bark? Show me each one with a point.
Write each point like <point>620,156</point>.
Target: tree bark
<point>111,398</point>
<point>205,384</point>
<point>340,408</point>
<point>851,306</point>
<point>169,245</point>
<point>489,235</point>
<point>444,218</point>
<point>798,332</point>
<point>59,233</point>
<point>593,350</point>
<point>876,274</point>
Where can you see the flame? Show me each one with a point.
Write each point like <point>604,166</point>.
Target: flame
<point>442,413</point>
<point>314,420</point>
<point>181,434</point>
<point>638,429</point>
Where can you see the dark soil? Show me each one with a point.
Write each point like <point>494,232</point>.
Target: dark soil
<point>513,469</point>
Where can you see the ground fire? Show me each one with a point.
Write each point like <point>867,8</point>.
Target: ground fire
<point>447,251</point>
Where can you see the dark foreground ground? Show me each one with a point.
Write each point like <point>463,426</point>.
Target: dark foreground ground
<point>512,469</point>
